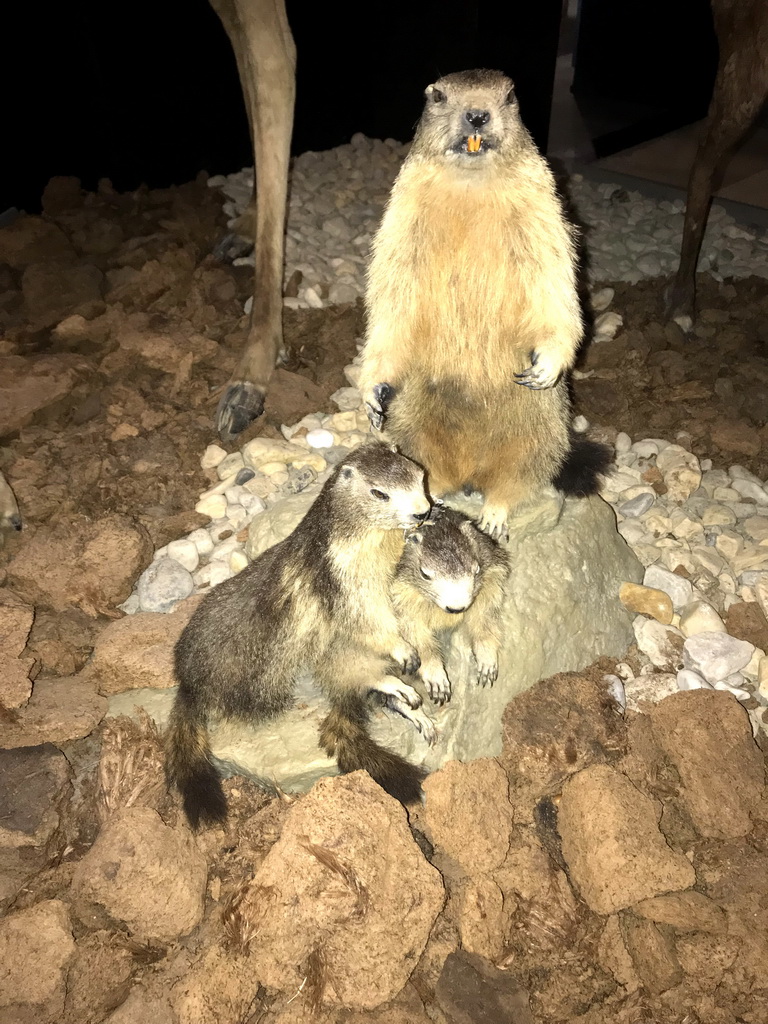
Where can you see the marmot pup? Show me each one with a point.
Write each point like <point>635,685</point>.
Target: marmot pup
<point>318,600</point>
<point>473,315</point>
<point>451,577</point>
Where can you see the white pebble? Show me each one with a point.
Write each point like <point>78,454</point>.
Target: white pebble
<point>716,655</point>
<point>623,442</point>
<point>213,505</point>
<point>163,585</point>
<point>185,553</point>
<point>677,587</point>
<point>700,617</point>
<point>320,439</point>
<point>212,456</point>
<point>238,561</point>
<point>687,679</point>
<point>230,466</point>
<point>580,424</point>
<point>202,541</point>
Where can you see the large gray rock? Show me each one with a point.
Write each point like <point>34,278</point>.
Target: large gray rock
<point>562,612</point>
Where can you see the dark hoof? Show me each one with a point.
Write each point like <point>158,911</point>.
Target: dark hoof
<point>240,405</point>
<point>231,248</point>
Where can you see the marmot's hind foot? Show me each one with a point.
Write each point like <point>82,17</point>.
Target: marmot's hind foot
<point>403,700</point>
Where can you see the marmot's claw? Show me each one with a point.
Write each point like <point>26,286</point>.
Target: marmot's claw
<point>375,416</point>
<point>376,408</point>
<point>494,523</point>
<point>541,374</point>
<point>439,687</point>
<point>487,674</point>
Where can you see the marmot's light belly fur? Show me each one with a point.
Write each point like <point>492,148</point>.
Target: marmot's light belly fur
<point>472,303</point>
<point>320,600</point>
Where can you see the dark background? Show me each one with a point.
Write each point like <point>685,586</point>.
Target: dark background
<point>148,92</point>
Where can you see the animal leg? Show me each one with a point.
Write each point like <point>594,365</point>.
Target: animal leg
<point>740,89</point>
<point>432,670</point>
<point>266,59</point>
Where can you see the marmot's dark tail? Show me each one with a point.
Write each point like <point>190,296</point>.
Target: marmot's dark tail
<point>188,766</point>
<point>584,466</point>
<point>343,735</point>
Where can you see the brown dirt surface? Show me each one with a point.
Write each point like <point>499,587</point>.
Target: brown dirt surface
<point>118,332</point>
<point>652,380</point>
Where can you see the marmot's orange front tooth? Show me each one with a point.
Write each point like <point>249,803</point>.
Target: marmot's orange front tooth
<point>473,143</point>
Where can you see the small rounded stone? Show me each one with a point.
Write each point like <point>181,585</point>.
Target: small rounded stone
<point>647,601</point>
<point>700,617</point>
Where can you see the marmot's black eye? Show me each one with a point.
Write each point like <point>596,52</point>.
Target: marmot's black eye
<point>425,574</point>
<point>379,494</point>
<point>437,96</point>
<point>511,96</point>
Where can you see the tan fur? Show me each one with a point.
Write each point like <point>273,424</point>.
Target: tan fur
<point>473,269</point>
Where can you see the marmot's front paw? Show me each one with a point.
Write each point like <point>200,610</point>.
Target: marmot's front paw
<point>377,402</point>
<point>406,658</point>
<point>437,683</point>
<point>544,372</point>
<point>494,522</point>
<point>399,692</point>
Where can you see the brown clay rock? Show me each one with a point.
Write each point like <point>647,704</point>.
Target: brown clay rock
<point>746,621</point>
<point>29,385</point>
<point>91,565</point>
<point>652,952</point>
<point>59,710</point>
<point>34,785</point>
<point>612,845</point>
<point>144,874</point>
<point>472,990</point>
<point>556,728</point>
<point>51,290</point>
<point>686,911</point>
<point>613,956</point>
<point>218,989</point>
<point>99,978</point>
<point>137,651</point>
<point>468,814</point>
<point>16,620</point>
<point>148,1005</point>
<point>483,916</point>
<point>36,947</point>
<point>706,735</point>
<point>31,239</point>
<point>347,889</point>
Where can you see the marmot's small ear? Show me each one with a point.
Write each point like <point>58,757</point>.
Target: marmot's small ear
<point>414,538</point>
<point>347,472</point>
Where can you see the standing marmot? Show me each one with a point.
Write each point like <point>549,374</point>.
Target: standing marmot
<point>320,599</point>
<point>473,315</point>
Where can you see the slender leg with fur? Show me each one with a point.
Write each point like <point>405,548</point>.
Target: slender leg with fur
<point>266,60</point>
